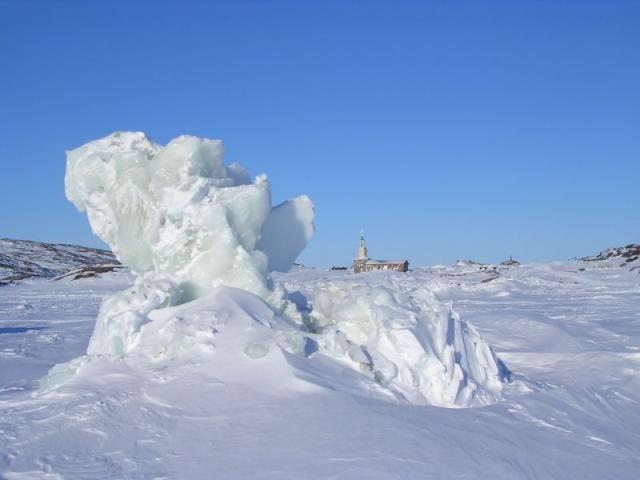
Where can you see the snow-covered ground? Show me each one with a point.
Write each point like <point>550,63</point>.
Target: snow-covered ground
<point>569,332</point>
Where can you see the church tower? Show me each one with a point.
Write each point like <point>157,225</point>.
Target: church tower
<point>362,250</point>
<point>360,262</point>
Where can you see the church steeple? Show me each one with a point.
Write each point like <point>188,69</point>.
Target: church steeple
<point>362,250</point>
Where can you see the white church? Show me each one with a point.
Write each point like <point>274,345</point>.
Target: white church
<point>362,263</point>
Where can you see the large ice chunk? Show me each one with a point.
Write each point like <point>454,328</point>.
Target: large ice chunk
<point>286,232</point>
<point>184,222</point>
<point>180,212</point>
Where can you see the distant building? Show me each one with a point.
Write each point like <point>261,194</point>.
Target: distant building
<point>364,264</point>
<point>511,262</point>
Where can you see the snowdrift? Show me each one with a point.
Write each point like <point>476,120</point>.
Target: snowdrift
<point>202,239</point>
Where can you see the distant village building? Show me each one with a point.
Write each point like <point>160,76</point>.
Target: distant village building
<point>364,264</point>
<point>511,262</point>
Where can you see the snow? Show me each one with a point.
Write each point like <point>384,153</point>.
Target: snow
<point>570,336</point>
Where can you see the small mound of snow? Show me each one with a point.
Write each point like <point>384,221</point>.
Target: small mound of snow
<point>122,315</point>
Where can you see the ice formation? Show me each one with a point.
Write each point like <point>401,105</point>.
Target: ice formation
<point>202,237</point>
<point>182,220</point>
<point>415,345</point>
<point>179,211</point>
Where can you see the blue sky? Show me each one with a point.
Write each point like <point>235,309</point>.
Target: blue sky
<point>445,129</point>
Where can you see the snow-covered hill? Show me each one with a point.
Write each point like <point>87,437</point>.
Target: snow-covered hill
<point>569,332</point>
<point>23,259</point>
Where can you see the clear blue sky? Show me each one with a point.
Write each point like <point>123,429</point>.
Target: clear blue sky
<point>445,129</point>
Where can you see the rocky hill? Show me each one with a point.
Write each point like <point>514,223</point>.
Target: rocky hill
<point>627,256</point>
<point>22,259</point>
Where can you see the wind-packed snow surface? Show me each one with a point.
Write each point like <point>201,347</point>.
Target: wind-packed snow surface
<point>193,230</point>
<point>205,408</point>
